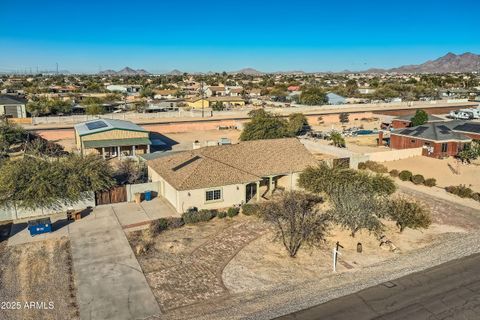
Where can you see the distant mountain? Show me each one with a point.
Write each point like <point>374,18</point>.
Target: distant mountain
<point>127,71</point>
<point>249,71</point>
<point>175,72</point>
<point>466,62</point>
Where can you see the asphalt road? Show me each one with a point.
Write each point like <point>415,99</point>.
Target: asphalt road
<point>448,291</point>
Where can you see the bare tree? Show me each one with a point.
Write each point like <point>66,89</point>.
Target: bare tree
<point>297,219</point>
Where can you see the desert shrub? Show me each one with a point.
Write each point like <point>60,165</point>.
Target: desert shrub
<point>250,209</point>
<point>476,196</point>
<point>405,175</point>
<point>418,179</point>
<point>193,216</point>
<point>376,167</point>
<point>362,166</point>
<point>460,190</point>
<point>221,214</point>
<point>408,213</point>
<point>394,173</point>
<point>157,226</point>
<point>173,223</point>
<point>382,184</point>
<point>430,182</point>
<point>233,211</point>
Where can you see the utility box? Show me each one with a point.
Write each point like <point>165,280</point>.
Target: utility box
<point>39,226</point>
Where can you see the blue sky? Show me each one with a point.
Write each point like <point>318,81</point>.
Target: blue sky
<point>83,36</point>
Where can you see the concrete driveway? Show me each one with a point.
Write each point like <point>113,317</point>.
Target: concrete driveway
<point>110,282</point>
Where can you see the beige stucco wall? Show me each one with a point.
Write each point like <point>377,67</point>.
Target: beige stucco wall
<point>230,197</point>
<point>289,182</point>
<point>393,155</point>
<point>115,134</point>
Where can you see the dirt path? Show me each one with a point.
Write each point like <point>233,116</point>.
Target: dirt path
<point>198,277</point>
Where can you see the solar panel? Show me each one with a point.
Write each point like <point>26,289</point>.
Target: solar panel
<point>96,125</point>
<point>419,131</point>
<point>468,127</point>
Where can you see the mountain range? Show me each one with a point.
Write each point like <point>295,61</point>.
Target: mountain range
<point>127,71</point>
<point>451,62</point>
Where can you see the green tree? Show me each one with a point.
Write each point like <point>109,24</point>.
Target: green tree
<point>356,197</point>
<point>408,214</point>
<point>343,117</point>
<point>10,134</point>
<point>218,106</point>
<point>297,220</point>
<point>337,139</point>
<point>297,123</point>
<point>94,109</point>
<point>147,92</point>
<point>313,96</point>
<point>420,117</point>
<point>264,125</point>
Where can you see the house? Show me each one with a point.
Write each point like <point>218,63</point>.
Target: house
<point>255,92</point>
<point>163,105</point>
<point>165,94</point>
<point>215,91</point>
<point>366,90</point>
<point>198,102</point>
<point>439,139</point>
<point>13,106</point>
<point>406,121</point>
<point>111,138</point>
<point>293,88</point>
<point>229,175</point>
<point>334,98</point>
<point>124,88</point>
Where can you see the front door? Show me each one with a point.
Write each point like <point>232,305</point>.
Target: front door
<point>251,191</point>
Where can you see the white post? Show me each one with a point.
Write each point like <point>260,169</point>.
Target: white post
<point>118,151</point>
<point>133,151</point>
<point>334,259</point>
<point>148,148</point>
<point>103,152</point>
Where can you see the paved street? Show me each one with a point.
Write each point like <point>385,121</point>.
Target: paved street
<point>449,291</point>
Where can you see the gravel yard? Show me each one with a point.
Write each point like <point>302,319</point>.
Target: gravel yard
<point>36,281</point>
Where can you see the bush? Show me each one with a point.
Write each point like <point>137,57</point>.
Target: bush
<point>461,191</point>
<point>430,182</point>
<point>376,167</point>
<point>418,179</point>
<point>476,196</point>
<point>232,212</point>
<point>250,209</point>
<point>173,223</point>
<point>394,173</point>
<point>157,226</point>
<point>221,214</point>
<point>193,216</point>
<point>405,175</point>
<point>408,214</point>
<point>362,166</point>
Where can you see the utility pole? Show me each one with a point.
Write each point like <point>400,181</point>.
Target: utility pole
<point>203,100</point>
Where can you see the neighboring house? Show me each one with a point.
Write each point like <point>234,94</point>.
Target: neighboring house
<point>163,105</point>
<point>229,175</point>
<point>198,103</point>
<point>439,139</point>
<point>235,92</point>
<point>255,92</point>
<point>124,88</point>
<point>366,90</point>
<point>111,138</point>
<point>215,91</point>
<point>165,94</point>
<point>293,88</point>
<point>334,98</point>
<point>13,106</point>
<point>405,121</point>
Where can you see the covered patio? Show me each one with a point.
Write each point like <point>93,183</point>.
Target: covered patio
<point>119,148</point>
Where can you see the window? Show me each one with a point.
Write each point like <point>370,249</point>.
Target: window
<point>427,144</point>
<point>413,141</point>
<point>444,147</point>
<point>212,195</point>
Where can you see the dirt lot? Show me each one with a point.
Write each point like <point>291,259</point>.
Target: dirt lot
<point>38,272</point>
<point>265,264</point>
<point>444,170</point>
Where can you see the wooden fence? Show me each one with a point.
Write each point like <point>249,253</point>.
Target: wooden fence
<point>114,195</point>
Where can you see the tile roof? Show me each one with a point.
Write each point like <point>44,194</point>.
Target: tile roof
<point>107,124</point>
<point>244,162</point>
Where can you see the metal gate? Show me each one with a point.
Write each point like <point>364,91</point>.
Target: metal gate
<point>114,195</point>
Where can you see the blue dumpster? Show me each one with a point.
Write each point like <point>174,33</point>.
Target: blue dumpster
<point>39,226</point>
<point>148,195</point>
